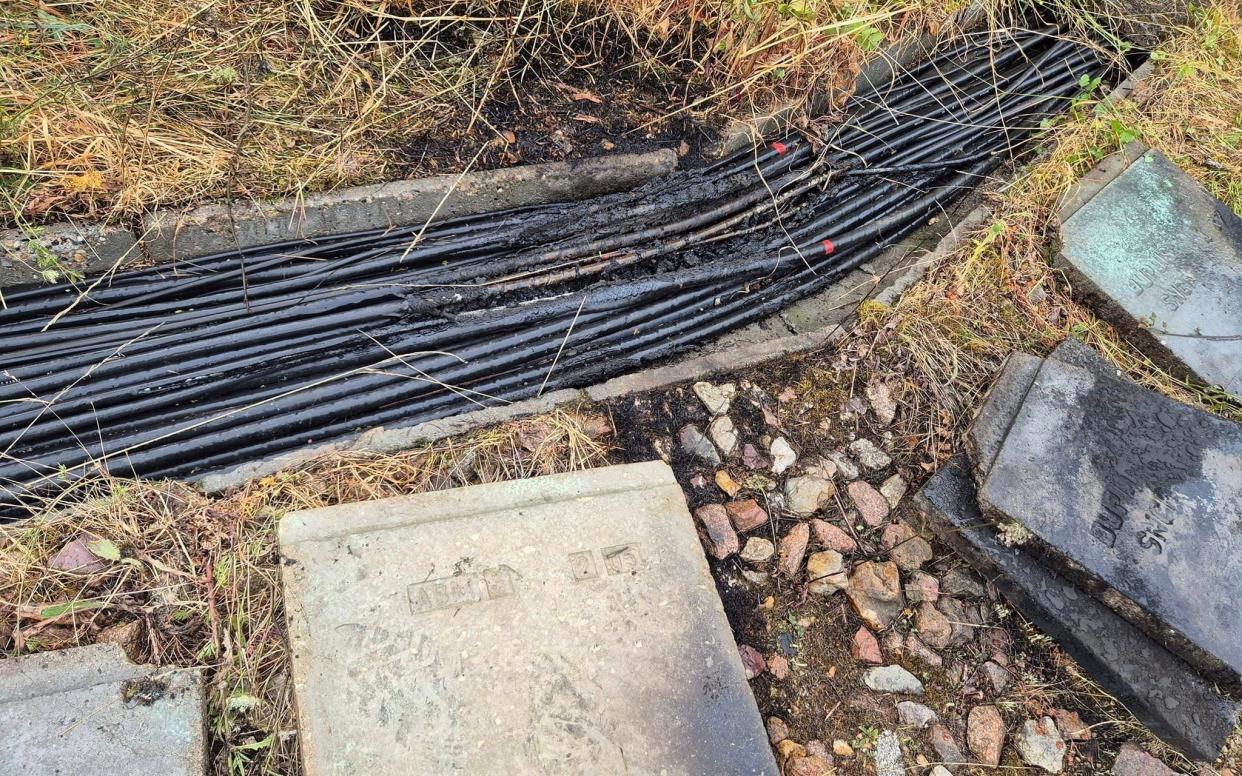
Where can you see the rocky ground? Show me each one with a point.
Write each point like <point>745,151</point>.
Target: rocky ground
<point>870,647</point>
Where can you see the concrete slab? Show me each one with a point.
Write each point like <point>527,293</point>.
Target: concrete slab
<point>1162,259</point>
<point>1138,499</point>
<point>1004,399</point>
<point>1158,688</point>
<point>564,624</point>
<point>90,712</point>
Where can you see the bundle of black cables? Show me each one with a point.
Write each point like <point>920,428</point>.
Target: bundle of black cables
<point>179,371</point>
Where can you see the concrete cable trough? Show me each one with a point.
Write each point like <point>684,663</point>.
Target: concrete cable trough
<point>244,355</point>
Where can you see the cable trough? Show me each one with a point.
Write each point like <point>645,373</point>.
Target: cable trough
<point>180,371</point>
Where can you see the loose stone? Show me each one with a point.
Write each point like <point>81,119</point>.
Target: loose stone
<point>811,765</point>
<point>783,456</point>
<point>868,454</point>
<point>866,648</point>
<point>758,550</point>
<point>893,679</point>
<point>916,647</point>
<point>823,468</point>
<point>893,489</point>
<point>888,759</point>
<point>922,587</point>
<point>933,627</point>
<point>961,583</point>
<point>880,396</point>
<point>724,434</point>
<point>721,537</point>
<point>778,667</point>
<point>894,534</point>
<point>755,577</point>
<point>746,515</point>
<point>752,459</point>
<point>912,554</point>
<point>874,591</point>
<point>832,536</point>
<point>806,495</point>
<point>997,677</point>
<point>793,548</point>
<point>842,749</point>
<point>871,505</point>
<point>1039,744</point>
<point>1133,761</point>
<point>845,465</point>
<point>945,745</point>
<point>817,748</point>
<point>693,441</point>
<point>778,731</point>
<point>725,482</point>
<point>715,398</point>
<point>789,751</point>
<point>1071,725</point>
<point>961,618</point>
<point>752,660</point>
<point>915,715</point>
<point>985,734</point>
<point>824,572</point>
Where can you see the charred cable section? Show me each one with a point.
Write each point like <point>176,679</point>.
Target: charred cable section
<point>176,371</point>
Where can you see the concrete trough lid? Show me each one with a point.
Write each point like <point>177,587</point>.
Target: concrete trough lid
<point>564,624</point>
<point>89,711</point>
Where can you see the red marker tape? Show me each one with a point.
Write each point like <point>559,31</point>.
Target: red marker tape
<point>829,247</point>
<point>780,148</point>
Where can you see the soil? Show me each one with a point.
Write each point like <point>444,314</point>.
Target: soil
<point>579,117</point>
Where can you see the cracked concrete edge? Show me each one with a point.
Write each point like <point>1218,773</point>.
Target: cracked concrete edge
<point>696,367</point>
<point>176,234</point>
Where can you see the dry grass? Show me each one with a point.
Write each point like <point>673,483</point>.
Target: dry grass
<point>945,339</point>
<point>195,580</point>
<point>110,108</point>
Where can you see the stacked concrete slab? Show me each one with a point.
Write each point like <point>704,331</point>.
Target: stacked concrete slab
<point>1159,257</point>
<point>564,624</point>
<point>1112,516</point>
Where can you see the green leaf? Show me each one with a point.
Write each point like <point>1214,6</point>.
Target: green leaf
<point>869,38</point>
<point>1124,134</point>
<point>69,607</point>
<point>103,548</point>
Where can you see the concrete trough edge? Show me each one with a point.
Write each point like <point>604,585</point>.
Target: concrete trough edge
<point>168,235</point>
<point>172,235</point>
